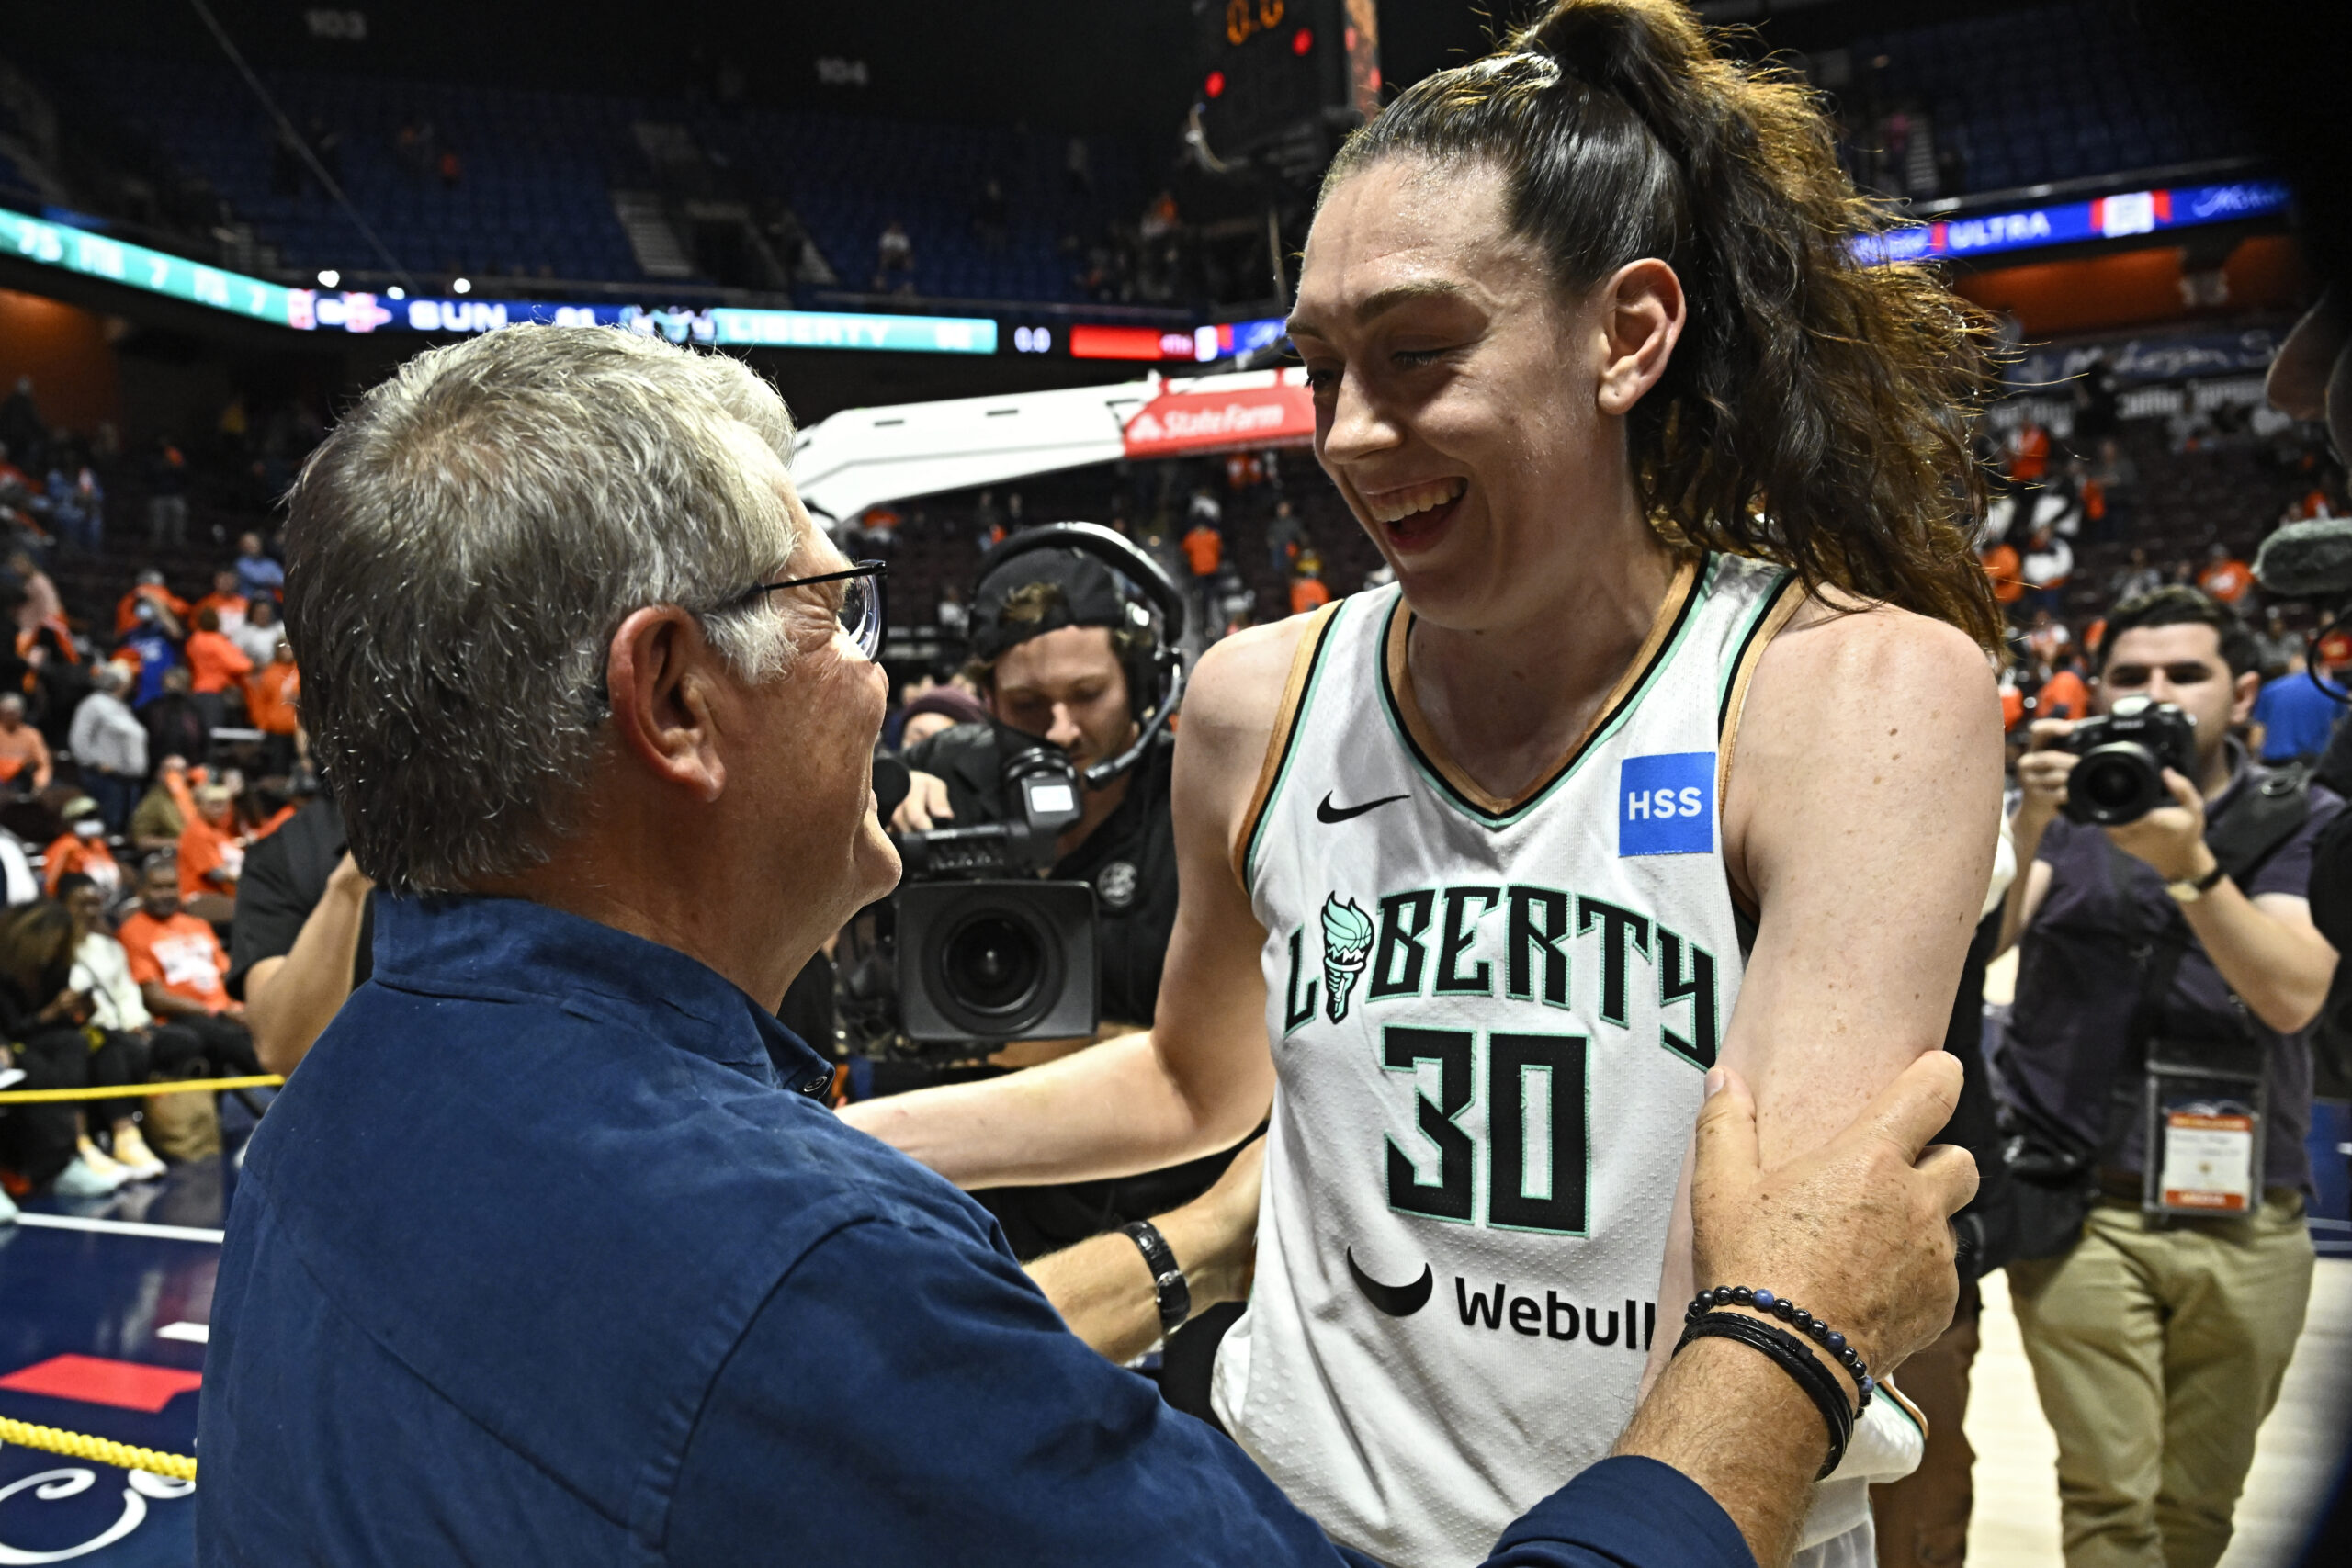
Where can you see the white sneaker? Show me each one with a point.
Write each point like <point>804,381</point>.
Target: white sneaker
<point>105,1164</point>
<point>81,1178</point>
<point>131,1152</point>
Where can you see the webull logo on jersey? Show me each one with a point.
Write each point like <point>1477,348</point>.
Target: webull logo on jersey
<point>1496,1307</point>
<point>1665,804</point>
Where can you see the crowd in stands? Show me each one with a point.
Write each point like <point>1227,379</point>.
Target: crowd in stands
<point>2087,522</point>
<point>149,737</point>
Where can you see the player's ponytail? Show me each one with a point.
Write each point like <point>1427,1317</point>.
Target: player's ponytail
<point>1814,411</point>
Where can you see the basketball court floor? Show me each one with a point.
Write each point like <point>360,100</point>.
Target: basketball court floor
<point>103,1305</point>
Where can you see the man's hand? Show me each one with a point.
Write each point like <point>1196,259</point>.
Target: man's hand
<point>2171,838</point>
<point>926,803</point>
<point>1858,1231</point>
<point>1214,1236</point>
<point>2042,773</point>
<point>346,880</point>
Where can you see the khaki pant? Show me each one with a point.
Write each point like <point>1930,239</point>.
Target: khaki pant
<point>1923,1518</point>
<point>2157,1353</point>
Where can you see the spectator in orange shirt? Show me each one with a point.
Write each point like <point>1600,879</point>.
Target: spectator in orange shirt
<point>178,961</point>
<point>171,610</point>
<point>2225,577</point>
<point>226,601</point>
<point>2001,564</point>
<point>82,848</point>
<point>2029,454</point>
<point>2063,695</point>
<point>24,755</point>
<point>270,696</point>
<point>212,852</point>
<point>214,665</point>
<point>1306,588</point>
<point>1204,551</point>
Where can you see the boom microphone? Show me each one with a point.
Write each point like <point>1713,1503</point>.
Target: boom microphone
<point>2308,560</point>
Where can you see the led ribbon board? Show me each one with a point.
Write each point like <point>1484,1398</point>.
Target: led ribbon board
<point>722,326</point>
<point>155,272</point>
<point>2107,217</point>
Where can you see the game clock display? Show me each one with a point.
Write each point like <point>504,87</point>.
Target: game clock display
<point>1269,68</point>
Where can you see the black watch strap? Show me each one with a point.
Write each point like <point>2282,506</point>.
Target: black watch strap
<point>1167,1278</point>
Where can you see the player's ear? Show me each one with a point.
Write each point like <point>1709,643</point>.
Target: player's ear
<point>1641,310</point>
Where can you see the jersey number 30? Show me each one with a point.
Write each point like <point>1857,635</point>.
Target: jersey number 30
<point>1538,1140</point>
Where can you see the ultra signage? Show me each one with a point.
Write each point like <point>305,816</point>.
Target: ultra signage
<point>2106,217</point>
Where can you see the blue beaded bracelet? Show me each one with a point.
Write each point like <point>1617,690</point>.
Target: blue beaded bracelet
<point>1796,1317</point>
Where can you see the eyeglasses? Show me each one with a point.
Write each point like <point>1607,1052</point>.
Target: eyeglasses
<point>861,601</point>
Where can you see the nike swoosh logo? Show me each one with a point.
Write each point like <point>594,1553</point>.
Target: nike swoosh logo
<point>1326,812</point>
<point>1396,1300</point>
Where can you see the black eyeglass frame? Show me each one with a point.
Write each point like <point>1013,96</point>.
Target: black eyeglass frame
<point>876,570</point>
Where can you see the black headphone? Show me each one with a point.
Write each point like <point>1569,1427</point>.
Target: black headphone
<point>1157,670</point>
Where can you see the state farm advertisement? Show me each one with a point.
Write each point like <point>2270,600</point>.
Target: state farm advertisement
<point>1265,409</point>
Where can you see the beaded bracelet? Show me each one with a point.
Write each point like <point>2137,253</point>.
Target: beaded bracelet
<point>1818,1382</point>
<point>1796,1317</point>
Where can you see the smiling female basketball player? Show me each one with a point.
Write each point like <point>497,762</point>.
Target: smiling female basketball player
<point>1675,742</point>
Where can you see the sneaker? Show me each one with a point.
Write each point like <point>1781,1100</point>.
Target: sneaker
<point>131,1152</point>
<point>80,1179</point>
<point>105,1164</point>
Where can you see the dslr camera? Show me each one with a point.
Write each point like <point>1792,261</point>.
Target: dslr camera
<point>2124,753</point>
<point>975,949</point>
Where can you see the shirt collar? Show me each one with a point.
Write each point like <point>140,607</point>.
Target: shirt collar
<point>512,950</point>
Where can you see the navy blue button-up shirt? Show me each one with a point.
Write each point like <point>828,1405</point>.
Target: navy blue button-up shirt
<point>537,1261</point>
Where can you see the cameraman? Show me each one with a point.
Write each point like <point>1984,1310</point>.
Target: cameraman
<point>1058,651</point>
<point>2158,1343</point>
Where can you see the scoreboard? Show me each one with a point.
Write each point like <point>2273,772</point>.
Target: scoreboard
<point>1280,71</point>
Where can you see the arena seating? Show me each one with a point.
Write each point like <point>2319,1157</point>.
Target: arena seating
<point>534,193</point>
<point>2034,96</point>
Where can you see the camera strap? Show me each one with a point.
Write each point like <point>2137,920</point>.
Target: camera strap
<point>2201,1101</point>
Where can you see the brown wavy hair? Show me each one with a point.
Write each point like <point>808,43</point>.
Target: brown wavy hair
<point>1817,410</point>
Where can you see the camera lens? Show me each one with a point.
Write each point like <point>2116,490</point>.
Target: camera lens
<point>2117,784</point>
<point>992,963</point>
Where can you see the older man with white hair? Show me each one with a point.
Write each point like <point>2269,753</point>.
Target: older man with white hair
<point>109,746</point>
<point>551,1252</point>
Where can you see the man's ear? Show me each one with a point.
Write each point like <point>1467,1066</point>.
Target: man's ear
<point>2242,692</point>
<point>662,675</point>
<point>1642,313</point>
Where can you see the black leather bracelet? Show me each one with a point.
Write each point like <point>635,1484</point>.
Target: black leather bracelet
<point>1788,1352</point>
<point>1796,1317</point>
<point>1167,1278</point>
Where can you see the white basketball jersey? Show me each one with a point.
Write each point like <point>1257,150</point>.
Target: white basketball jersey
<point>1490,1021</point>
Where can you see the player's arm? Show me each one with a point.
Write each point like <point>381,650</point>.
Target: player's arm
<point>1202,1078</point>
<point>1865,773</point>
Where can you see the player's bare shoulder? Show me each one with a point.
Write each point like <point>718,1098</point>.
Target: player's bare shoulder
<point>1834,657</point>
<point>1886,711</point>
<point>1231,706</point>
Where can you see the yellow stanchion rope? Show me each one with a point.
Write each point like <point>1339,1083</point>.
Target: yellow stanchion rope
<point>49,1439</point>
<point>137,1091</point>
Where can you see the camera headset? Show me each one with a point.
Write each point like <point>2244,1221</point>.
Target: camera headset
<point>1099,575</point>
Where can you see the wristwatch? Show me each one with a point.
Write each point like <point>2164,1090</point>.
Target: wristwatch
<point>2190,889</point>
<point>1174,1296</point>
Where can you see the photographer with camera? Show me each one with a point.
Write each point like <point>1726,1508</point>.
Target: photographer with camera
<point>1064,652</point>
<point>2156,1080</point>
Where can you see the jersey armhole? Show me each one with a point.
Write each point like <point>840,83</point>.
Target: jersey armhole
<point>1779,608</point>
<point>1303,661</point>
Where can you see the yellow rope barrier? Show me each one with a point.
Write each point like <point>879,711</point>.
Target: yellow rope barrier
<point>25,1435</point>
<point>137,1091</point>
